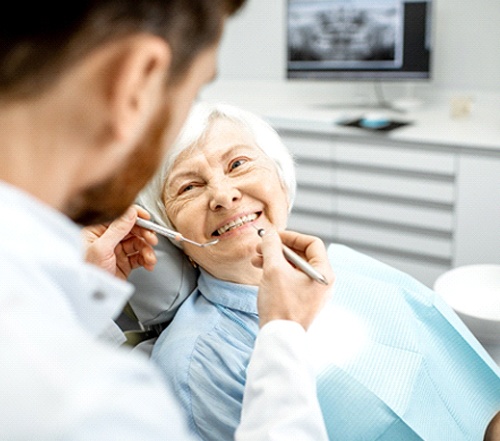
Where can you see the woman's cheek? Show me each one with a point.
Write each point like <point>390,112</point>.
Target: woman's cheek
<point>174,211</point>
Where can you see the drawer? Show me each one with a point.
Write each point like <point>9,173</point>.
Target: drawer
<point>393,212</point>
<point>403,241</point>
<point>390,185</point>
<point>314,200</point>
<point>311,224</point>
<point>309,148</point>
<point>394,157</point>
<point>315,174</point>
<point>366,209</point>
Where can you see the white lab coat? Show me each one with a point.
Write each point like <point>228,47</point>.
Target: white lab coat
<point>58,382</point>
<point>280,400</point>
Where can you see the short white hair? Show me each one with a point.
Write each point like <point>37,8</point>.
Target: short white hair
<point>199,121</point>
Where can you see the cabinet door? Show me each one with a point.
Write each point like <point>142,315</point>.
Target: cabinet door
<point>477,237</point>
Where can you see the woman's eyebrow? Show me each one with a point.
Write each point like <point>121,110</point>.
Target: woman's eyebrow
<point>235,149</point>
<point>181,176</point>
<point>193,173</point>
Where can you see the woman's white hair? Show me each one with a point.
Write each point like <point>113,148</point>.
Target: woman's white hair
<point>198,123</point>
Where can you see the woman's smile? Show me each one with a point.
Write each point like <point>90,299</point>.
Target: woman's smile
<point>236,223</point>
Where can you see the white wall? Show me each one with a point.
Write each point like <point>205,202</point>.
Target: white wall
<point>466,44</point>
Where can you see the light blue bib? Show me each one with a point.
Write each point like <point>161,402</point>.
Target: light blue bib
<point>415,373</point>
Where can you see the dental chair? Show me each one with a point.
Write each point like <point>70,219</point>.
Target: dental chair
<point>157,296</point>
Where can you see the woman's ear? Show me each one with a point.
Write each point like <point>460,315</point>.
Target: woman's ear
<point>137,84</point>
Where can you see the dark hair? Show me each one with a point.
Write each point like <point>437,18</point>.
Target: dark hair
<point>39,41</point>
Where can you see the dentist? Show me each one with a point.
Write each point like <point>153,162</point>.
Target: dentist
<point>90,93</point>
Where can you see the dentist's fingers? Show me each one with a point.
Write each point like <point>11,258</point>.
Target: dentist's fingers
<point>137,252</point>
<point>310,248</point>
<point>148,235</point>
<point>121,246</point>
<point>286,293</point>
<point>121,227</point>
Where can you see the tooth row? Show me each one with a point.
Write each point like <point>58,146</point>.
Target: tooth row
<point>237,223</point>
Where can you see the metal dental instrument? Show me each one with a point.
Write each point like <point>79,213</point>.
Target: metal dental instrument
<point>172,234</point>
<point>294,258</point>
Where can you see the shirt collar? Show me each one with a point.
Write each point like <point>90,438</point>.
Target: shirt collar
<point>231,295</point>
<point>45,240</point>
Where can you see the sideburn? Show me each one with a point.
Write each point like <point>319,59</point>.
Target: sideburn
<point>104,202</point>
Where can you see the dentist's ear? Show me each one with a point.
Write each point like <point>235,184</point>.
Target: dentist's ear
<point>137,83</point>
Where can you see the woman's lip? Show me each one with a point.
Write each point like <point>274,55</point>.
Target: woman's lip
<point>258,213</point>
<point>235,231</point>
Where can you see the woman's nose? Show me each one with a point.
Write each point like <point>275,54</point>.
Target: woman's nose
<point>223,194</point>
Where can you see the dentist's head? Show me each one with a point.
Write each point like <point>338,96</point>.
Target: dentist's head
<point>94,92</point>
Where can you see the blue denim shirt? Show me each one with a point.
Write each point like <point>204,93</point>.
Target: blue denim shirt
<point>393,361</point>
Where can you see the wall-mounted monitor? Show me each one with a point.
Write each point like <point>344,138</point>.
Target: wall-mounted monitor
<point>359,39</point>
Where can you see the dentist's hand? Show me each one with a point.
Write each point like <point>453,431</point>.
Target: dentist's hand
<point>121,246</point>
<point>286,293</point>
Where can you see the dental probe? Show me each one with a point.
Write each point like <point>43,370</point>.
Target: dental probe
<point>294,258</point>
<point>172,234</point>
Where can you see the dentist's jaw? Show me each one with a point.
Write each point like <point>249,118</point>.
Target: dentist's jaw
<point>235,225</point>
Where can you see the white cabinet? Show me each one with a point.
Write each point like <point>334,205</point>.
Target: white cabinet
<point>421,208</point>
<point>477,210</point>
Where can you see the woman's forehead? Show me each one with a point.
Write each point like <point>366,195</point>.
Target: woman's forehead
<point>223,130</point>
<point>222,138</point>
<point>215,155</point>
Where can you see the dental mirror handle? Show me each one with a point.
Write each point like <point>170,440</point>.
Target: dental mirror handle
<point>172,234</point>
<point>149,225</point>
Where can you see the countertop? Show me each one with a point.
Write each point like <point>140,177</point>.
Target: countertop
<point>290,108</point>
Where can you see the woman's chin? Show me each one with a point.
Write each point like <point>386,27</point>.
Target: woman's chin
<point>235,254</point>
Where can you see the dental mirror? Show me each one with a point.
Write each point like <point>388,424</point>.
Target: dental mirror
<point>172,234</point>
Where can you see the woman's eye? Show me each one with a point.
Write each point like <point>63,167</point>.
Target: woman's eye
<point>186,188</point>
<point>237,163</point>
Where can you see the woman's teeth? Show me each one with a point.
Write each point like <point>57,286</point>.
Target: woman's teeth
<point>236,223</point>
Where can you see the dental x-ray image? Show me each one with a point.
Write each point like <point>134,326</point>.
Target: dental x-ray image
<point>346,34</point>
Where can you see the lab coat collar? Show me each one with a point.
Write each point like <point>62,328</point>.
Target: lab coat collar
<point>101,298</point>
<point>231,295</point>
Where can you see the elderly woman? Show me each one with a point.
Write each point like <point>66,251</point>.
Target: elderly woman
<point>393,362</point>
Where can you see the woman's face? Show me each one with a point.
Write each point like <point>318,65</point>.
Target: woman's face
<point>221,190</point>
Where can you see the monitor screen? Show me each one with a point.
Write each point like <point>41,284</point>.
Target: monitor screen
<point>359,39</point>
